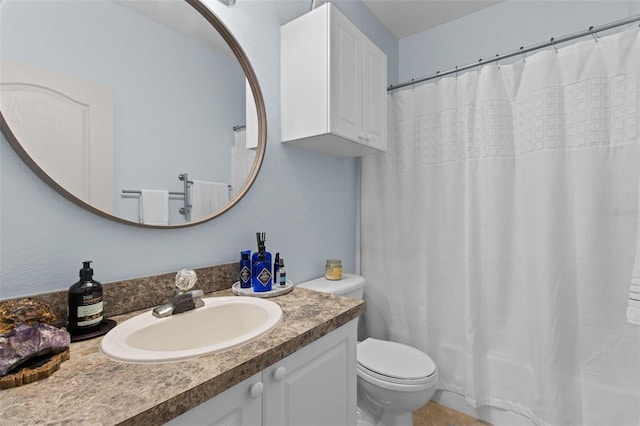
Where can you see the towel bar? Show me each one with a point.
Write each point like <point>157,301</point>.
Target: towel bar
<point>139,192</point>
<point>186,208</point>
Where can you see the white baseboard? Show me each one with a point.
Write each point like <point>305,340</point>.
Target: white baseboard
<point>492,415</point>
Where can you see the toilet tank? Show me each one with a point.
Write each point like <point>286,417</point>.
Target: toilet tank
<point>350,286</point>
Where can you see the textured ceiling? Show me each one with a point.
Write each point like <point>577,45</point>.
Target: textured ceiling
<point>402,17</point>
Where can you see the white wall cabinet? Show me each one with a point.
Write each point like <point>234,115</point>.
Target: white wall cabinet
<point>333,86</point>
<point>314,386</point>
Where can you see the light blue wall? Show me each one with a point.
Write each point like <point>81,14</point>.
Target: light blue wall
<point>306,202</point>
<point>503,28</point>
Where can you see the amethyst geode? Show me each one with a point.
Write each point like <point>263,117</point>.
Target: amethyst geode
<point>25,342</point>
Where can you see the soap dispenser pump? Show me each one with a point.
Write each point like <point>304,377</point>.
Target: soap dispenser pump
<point>85,306</point>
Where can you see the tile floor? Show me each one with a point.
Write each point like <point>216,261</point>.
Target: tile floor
<point>435,414</point>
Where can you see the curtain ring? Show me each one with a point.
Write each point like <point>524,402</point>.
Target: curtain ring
<point>553,44</point>
<point>437,77</point>
<point>496,61</point>
<point>456,72</point>
<point>594,35</point>
<point>524,57</point>
<point>413,84</point>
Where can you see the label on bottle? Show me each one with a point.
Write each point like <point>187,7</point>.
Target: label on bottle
<point>264,277</point>
<point>245,277</point>
<point>90,314</point>
<point>283,279</point>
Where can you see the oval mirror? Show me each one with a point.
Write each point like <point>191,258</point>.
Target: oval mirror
<point>146,112</point>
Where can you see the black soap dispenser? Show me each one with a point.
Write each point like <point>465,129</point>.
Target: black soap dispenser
<point>85,303</point>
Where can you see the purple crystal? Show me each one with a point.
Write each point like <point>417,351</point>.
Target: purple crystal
<point>28,341</point>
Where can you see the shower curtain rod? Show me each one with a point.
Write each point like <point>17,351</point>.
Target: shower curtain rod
<point>553,42</point>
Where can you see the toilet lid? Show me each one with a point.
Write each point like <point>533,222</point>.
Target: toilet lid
<point>394,360</point>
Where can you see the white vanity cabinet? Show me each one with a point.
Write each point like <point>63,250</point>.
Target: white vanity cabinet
<point>333,85</point>
<point>240,405</point>
<point>315,385</point>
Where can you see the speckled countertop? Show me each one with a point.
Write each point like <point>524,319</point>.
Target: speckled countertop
<point>92,389</point>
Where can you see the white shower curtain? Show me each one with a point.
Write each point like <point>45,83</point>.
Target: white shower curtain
<point>499,231</point>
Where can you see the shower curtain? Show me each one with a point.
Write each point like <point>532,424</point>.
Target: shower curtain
<point>499,232</point>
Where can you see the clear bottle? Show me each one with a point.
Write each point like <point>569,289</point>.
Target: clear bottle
<point>333,269</point>
<point>282,273</point>
<point>85,306</point>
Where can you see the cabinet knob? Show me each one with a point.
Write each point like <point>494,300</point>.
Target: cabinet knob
<point>256,390</point>
<point>279,373</point>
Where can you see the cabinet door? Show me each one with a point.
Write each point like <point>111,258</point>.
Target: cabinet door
<point>374,105</point>
<point>345,94</point>
<point>315,386</point>
<point>240,405</point>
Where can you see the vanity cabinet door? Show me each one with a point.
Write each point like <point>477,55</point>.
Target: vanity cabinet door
<point>240,405</point>
<point>315,385</point>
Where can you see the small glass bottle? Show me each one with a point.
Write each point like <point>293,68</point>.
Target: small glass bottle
<point>282,273</point>
<point>333,269</point>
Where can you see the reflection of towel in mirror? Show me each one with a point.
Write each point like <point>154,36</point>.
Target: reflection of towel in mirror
<point>207,197</point>
<point>154,207</point>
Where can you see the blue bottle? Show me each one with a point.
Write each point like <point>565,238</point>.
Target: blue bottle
<point>261,272</point>
<point>245,269</point>
<point>261,276</point>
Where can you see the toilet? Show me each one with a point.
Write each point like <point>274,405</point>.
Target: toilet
<point>393,379</point>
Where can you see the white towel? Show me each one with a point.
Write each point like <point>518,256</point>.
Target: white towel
<point>207,197</point>
<point>154,207</point>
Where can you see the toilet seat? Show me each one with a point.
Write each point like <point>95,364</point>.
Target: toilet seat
<point>394,362</point>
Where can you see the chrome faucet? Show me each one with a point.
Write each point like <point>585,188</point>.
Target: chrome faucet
<point>184,299</point>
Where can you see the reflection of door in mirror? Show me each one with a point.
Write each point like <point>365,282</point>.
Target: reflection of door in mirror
<point>73,118</point>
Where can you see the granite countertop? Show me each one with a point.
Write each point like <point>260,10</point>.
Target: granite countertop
<point>92,389</point>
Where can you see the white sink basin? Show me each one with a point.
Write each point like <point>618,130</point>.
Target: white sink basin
<point>222,323</point>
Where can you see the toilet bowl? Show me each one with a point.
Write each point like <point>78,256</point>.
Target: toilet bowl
<point>394,379</point>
